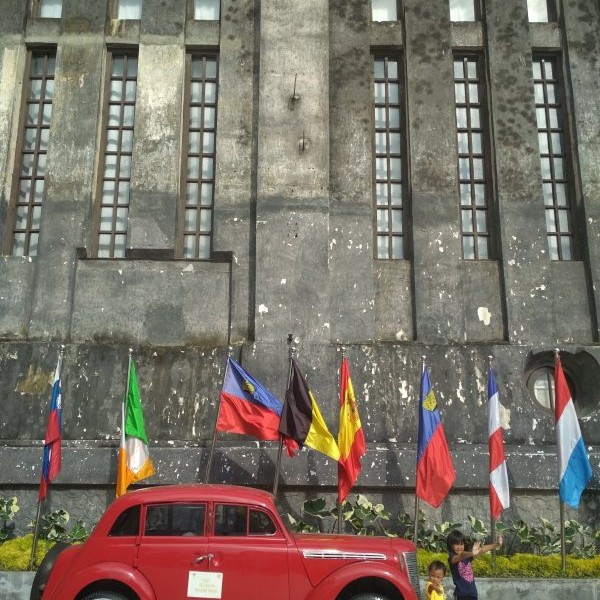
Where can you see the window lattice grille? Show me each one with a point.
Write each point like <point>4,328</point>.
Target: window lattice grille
<point>34,147</point>
<point>389,158</point>
<point>473,170</point>
<point>117,156</point>
<point>553,158</point>
<point>199,178</point>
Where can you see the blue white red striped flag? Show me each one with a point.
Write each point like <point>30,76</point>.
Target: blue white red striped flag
<point>499,493</point>
<point>574,465</point>
<point>52,444</point>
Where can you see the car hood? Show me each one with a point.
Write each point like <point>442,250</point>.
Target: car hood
<point>361,547</point>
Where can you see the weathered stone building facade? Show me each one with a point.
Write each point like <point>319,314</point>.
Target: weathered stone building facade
<point>385,177</point>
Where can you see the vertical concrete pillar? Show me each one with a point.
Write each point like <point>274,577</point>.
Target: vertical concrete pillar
<point>71,159</point>
<point>582,44</point>
<point>235,192</point>
<point>436,226</point>
<point>156,147</point>
<point>351,282</point>
<point>293,171</point>
<point>525,261</point>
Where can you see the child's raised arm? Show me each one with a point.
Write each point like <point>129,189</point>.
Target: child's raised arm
<point>479,549</point>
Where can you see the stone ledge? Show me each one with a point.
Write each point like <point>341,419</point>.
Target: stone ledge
<point>384,466</point>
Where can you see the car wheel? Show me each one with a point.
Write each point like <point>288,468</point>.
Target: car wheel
<point>369,597</point>
<point>104,596</point>
<point>43,571</point>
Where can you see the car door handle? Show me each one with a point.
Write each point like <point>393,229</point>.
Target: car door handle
<point>199,559</point>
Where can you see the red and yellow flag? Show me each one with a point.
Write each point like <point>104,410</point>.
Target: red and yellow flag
<point>301,419</point>
<point>351,439</point>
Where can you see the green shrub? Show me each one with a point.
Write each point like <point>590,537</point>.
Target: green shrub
<point>8,509</point>
<point>521,565</point>
<point>53,527</point>
<point>15,553</point>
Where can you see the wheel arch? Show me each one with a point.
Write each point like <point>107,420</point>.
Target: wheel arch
<point>364,577</point>
<point>373,585</point>
<point>123,579</point>
<point>42,573</point>
<point>108,585</point>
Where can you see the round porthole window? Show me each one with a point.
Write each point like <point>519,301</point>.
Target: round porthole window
<point>541,383</point>
<point>582,373</point>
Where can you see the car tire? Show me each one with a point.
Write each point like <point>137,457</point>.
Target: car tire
<point>369,597</point>
<point>105,596</point>
<point>43,572</point>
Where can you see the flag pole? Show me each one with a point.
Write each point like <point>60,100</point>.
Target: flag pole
<point>492,520</point>
<point>290,339</point>
<point>39,504</point>
<point>35,535</point>
<point>339,504</point>
<point>214,437</point>
<point>416,532</point>
<point>563,545</point>
<point>122,443</point>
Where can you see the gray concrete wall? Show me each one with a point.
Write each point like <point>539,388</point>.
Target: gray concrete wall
<point>293,248</point>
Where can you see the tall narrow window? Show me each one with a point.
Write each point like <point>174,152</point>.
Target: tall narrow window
<point>130,10</point>
<point>538,11</point>
<point>473,156</point>
<point>29,181</point>
<point>389,157</point>
<point>464,10</point>
<point>384,10</point>
<point>50,9</point>
<point>115,162</point>
<point>207,10</point>
<point>196,213</point>
<point>554,159</point>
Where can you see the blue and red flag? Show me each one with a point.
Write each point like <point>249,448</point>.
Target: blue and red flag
<point>52,444</point>
<point>247,406</point>
<point>574,465</point>
<point>435,471</point>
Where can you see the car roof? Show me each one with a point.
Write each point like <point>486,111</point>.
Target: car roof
<point>200,491</point>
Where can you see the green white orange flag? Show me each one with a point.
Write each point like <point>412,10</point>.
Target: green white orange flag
<point>134,458</point>
<point>351,439</point>
<point>301,419</point>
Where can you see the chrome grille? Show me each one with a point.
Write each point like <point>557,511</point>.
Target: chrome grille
<point>410,559</point>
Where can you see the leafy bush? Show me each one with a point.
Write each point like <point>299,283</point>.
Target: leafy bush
<point>54,527</point>
<point>15,553</point>
<point>540,540</point>
<point>521,565</point>
<point>8,509</point>
<point>364,517</point>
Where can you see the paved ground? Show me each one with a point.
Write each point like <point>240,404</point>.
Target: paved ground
<point>16,586</point>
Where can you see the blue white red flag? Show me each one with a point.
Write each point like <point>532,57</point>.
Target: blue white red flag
<point>52,444</point>
<point>499,492</point>
<point>247,406</point>
<point>435,471</point>
<point>574,465</point>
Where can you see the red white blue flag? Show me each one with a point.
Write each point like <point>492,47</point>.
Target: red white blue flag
<point>52,444</point>
<point>499,493</point>
<point>574,465</point>
<point>247,406</point>
<point>435,471</point>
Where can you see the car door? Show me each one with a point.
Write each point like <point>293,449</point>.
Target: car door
<point>173,551</point>
<point>250,551</point>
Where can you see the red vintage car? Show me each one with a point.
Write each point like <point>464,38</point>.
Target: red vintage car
<point>221,541</point>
